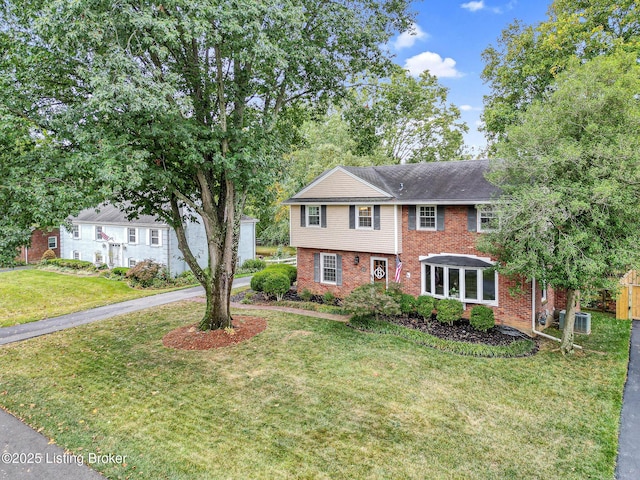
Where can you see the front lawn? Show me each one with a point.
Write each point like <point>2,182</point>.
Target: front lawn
<point>311,398</point>
<point>30,295</point>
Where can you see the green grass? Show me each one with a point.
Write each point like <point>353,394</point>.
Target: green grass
<point>311,398</point>
<point>270,250</point>
<point>30,295</point>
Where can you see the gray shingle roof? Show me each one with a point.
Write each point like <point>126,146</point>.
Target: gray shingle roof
<point>437,182</point>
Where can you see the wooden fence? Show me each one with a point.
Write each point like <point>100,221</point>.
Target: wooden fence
<point>628,302</point>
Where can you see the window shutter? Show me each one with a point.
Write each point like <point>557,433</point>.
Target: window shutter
<point>440,218</point>
<point>412,217</point>
<point>472,219</point>
<point>352,216</point>
<point>376,217</point>
<point>323,216</point>
<point>303,216</point>
<point>338,270</point>
<point>316,267</point>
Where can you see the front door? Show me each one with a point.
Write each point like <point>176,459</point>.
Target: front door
<point>379,271</point>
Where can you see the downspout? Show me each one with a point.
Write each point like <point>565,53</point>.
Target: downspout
<point>533,317</point>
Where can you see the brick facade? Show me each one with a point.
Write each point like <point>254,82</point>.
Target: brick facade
<point>514,310</point>
<point>39,244</point>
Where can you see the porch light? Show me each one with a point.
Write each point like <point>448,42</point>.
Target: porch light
<point>356,260</point>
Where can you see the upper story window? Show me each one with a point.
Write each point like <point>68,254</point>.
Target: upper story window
<point>99,233</point>
<point>365,217</point>
<point>75,232</point>
<point>132,235</point>
<point>487,219</point>
<point>154,237</point>
<point>427,217</point>
<point>313,215</point>
<point>52,242</point>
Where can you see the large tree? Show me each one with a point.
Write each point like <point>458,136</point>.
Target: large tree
<point>190,99</point>
<point>570,176</point>
<point>527,58</point>
<point>409,118</point>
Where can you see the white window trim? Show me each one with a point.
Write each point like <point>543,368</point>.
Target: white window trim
<point>95,258</point>
<point>76,229</point>
<point>159,244</point>
<point>137,235</point>
<point>358,207</point>
<point>76,253</point>
<point>435,219</point>
<point>129,260</point>
<point>55,242</point>
<point>95,233</point>
<point>308,214</point>
<point>479,220</point>
<point>462,279</point>
<point>323,256</point>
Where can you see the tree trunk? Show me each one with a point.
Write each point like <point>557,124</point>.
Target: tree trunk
<point>573,297</point>
<point>218,295</point>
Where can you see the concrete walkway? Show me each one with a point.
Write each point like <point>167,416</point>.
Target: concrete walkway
<point>628,464</point>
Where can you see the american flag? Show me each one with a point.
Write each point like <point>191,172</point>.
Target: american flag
<point>104,236</point>
<point>398,269</point>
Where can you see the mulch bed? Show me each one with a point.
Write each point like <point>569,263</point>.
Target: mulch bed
<point>190,338</point>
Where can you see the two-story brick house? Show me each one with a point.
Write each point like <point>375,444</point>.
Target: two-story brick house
<point>354,225</point>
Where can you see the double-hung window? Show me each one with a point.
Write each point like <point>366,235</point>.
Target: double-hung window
<point>132,235</point>
<point>313,215</point>
<point>154,237</point>
<point>75,232</point>
<point>365,217</point>
<point>99,233</point>
<point>52,242</point>
<point>329,268</point>
<point>487,219</point>
<point>427,217</point>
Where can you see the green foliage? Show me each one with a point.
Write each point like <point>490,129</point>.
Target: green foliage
<point>517,348</point>
<point>145,273</point>
<point>449,310</point>
<point>395,290</point>
<point>276,284</point>
<point>72,264</point>
<point>305,295</point>
<point>328,298</point>
<point>408,304</point>
<point>120,271</point>
<point>257,280</point>
<point>425,305</point>
<point>369,299</point>
<point>289,270</point>
<point>253,265</point>
<point>527,59</point>
<point>482,318</point>
<point>48,255</point>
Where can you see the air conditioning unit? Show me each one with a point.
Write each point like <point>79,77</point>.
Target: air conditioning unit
<point>583,322</point>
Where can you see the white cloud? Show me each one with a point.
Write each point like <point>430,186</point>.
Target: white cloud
<point>473,6</point>
<point>438,66</point>
<point>408,39</point>
<point>468,108</point>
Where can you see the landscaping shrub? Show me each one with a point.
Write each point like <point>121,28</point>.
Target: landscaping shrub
<point>305,295</point>
<point>144,273</point>
<point>48,255</point>
<point>119,271</point>
<point>482,318</point>
<point>70,263</point>
<point>408,303</point>
<point>394,290</point>
<point>289,270</point>
<point>425,305</point>
<point>276,284</point>
<point>369,299</point>
<point>257,281</point>
<point>449,310</point>
<point>329,298</point>
<point>253,265</point>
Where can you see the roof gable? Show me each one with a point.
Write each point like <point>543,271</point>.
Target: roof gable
<point>341,183</point>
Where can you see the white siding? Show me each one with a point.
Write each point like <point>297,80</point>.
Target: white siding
<point>339,184</point>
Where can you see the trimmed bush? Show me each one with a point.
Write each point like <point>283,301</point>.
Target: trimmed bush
<point>368,299</point>
<point>120,271</point>
<point>425,306</point>
<point>253,265</point>
<point>257,281</point>
<point>449,310</point>
<point>276,284</point>
<point>408,303</point>
<point>70,263</point>
<point>145,273</point>
<point>482,318</point>
<point>395,290</point>
<point>289,270</point>
<point>48,255</point>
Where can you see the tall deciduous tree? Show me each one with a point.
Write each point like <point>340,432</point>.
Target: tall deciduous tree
<point>527,59</point>
<point>407,117</point>
<point>191,97</point>
<point>570,176</point>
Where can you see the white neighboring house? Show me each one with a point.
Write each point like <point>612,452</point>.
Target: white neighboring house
<point>104,235</point>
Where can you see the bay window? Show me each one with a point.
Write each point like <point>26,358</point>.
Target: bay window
<point>467,283</point>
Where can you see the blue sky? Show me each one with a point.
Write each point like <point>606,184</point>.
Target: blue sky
<point>450,37</point>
